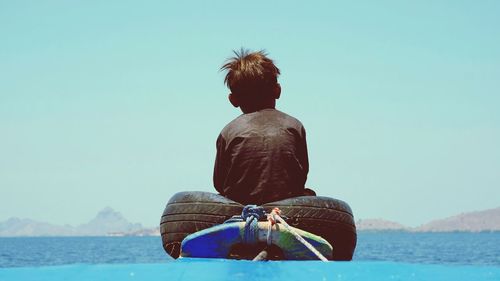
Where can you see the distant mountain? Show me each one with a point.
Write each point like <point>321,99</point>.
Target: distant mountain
<point>27,227</point>
<point>379,224</point>
<point>107,222</point>
<point>153,231</point>
<point>488,220</point>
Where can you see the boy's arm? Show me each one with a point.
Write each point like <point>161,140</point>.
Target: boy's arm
<point>302,154</point>
<point>220,169</point>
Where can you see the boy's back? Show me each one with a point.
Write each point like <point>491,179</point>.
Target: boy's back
<point>261,157</point>
<point>262,154</point>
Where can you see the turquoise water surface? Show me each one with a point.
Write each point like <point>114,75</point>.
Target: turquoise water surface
<point>189,269</point>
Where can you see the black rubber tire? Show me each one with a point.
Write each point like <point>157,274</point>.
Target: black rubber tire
<point>189,212</point>
<point>329,218</point>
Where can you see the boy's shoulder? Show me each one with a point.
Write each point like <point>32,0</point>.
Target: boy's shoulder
<point>260,119</point>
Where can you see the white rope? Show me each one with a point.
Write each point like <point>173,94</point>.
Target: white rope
<point>269,238</point>
<point>262,256</point>
<point>277,217</point>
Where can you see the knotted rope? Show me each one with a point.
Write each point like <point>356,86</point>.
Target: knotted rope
<point>251,214</point>
<point>275,214</point>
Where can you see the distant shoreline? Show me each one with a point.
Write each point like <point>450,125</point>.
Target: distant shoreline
<point>479,221</point>
<point>109,223</point>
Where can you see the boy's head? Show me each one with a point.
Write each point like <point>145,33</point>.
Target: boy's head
<point>253,80</point>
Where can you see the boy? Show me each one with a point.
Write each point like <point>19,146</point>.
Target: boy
<point>262,154</point>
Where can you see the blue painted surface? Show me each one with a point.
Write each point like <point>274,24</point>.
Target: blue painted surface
<point>217,241</point>
<point>212,242</point>
<point>192,269</point>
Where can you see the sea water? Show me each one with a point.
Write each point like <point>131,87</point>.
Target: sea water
<point>378,256</point>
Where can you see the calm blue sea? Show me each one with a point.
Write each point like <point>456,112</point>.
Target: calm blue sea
<point>426,248</point>
<point>379,256</point>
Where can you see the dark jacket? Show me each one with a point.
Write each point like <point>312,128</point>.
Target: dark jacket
<point>261,157</point>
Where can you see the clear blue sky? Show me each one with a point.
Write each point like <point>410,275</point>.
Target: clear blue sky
<point>119,103</point>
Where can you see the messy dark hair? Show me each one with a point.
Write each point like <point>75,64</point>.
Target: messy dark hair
<point>250,73</point>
